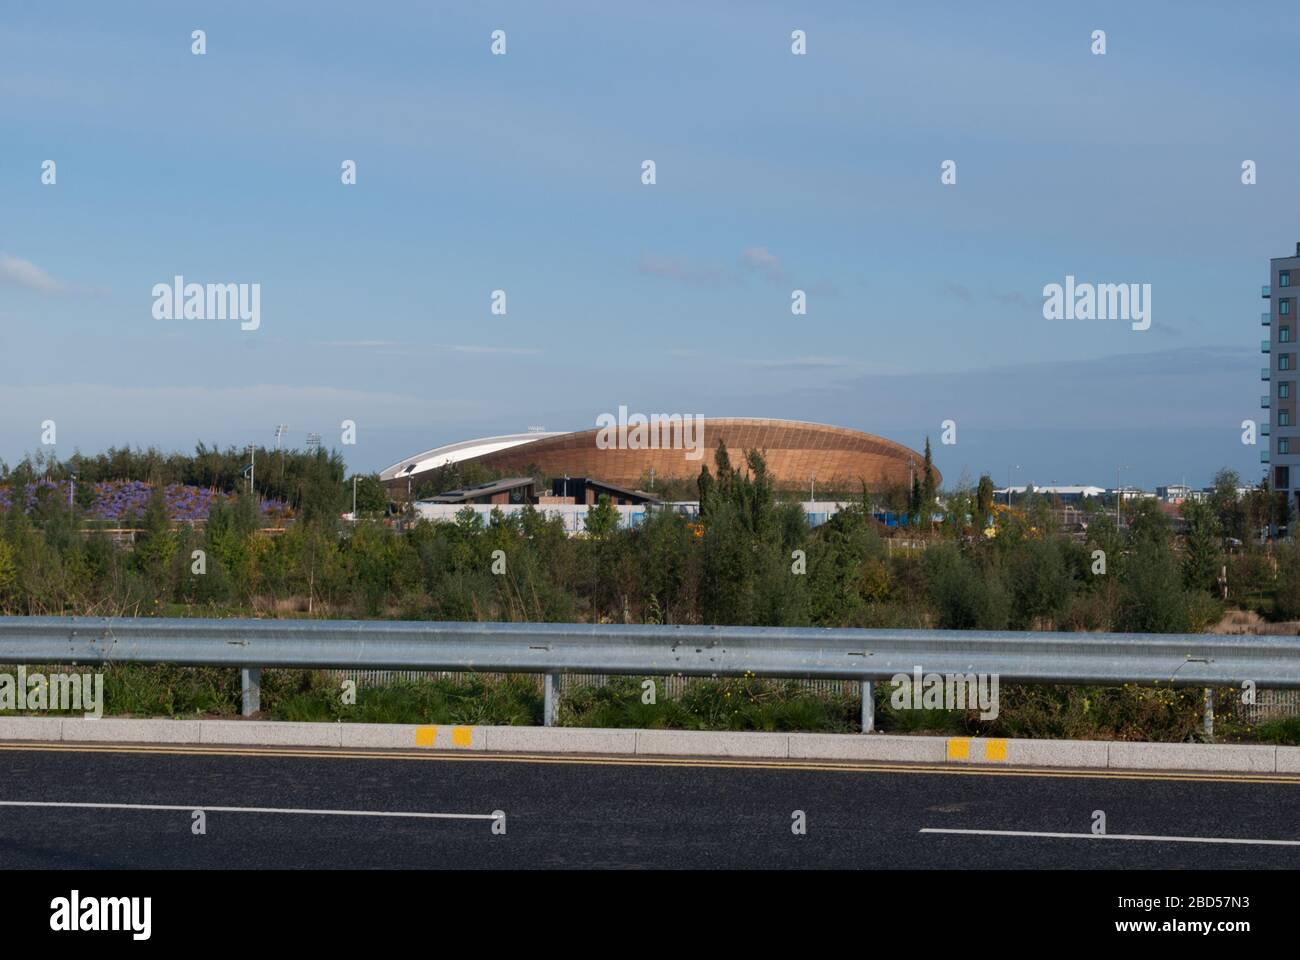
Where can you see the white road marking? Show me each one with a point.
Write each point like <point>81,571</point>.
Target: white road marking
<point>1110,836</point>
<point>210,809</point>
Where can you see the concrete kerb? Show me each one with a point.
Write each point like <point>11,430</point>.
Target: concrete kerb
<point>962,751</point>
<point>1237,758</point>
<point>122,729</point>
<point>876,747</point>
<point>709,743</point>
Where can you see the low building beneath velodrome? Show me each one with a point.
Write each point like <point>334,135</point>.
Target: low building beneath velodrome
<point>565,491</point>
<point>798,454</point>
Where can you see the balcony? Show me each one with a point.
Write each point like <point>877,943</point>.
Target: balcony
<point>1265,319</point>
<point>1263,346</point>
<point>1265,291</point>
<point>1263,402</point>
<point>1263,373</point>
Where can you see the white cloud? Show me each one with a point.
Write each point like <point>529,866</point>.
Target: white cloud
<point>693,273</point>
<point>804,363</point>
<point>24,273</point>
<point>362,344</point>
<point>390,346</point>
<point>764,261</point>
<point>473,348</point>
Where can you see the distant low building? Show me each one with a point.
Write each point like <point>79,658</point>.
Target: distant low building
<point>517,490</point>
<point>575,490</point>
<point>1176,493</point>
<point>1063,494</point>
<point>1131,493</point>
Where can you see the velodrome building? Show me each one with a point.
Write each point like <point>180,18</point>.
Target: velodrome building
<point>624,452</point>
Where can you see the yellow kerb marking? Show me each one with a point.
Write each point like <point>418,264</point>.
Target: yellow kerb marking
<point>995,750</point>
<point>959,748</point>
<point>460,736</point>
<point>424,736</point>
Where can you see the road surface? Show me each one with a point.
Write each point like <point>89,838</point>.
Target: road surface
<point>87,807</point>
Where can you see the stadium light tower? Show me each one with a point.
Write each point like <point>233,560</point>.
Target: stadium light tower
<point>72,480</point>
<point>280,430</point>
<point>313,441</point>
<point>1119,494</point>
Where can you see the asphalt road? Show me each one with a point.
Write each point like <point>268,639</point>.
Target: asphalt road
<point>566,812</point>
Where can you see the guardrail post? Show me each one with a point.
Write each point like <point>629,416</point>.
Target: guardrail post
<point>551,703</point>
<point>1208,719</point>
<point>868,706</point>
<point>250,682</point>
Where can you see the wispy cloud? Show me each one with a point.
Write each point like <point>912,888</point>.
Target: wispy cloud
<point>1013,298</point>
<point>692,273</point>
<point>804,363</point>
<point>762,260</point>
<point>24,273</point>
<point>957,292</point>
<point>388,346</point>
<point>475,348</point>
<point>362,344</point>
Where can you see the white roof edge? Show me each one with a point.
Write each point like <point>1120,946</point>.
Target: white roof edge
<point>463,450</point>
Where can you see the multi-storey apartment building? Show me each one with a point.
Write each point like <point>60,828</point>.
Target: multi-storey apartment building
<point>1280,450</point>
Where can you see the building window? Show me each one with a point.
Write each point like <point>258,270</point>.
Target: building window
<point>1284,390</point>
<point>1284,307</point>
<point>1283,445</point>
<point>1284,278</point>
<point>1284,418</point>
<point>1284,361</point>
<point>1281,478</point>
<point>1284,334</point>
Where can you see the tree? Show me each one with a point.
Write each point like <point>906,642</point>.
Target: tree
<point>1227,506</point>
<point>984,498</point>
<point>705,485</point>
<point>1155,599</point>
<point>726,475</point>
<point>602,518</point>
<point>1041,582</point>
<point>928,491</point>
<point>1203,556</point>
<point>319,488</point>
<point>8,572</point>
<point>1288,581</point>
<point>156,545</point>
<point>963,596</point>
<point>1257,509</point>
<point>371,495</point>
<point>1281,513</point>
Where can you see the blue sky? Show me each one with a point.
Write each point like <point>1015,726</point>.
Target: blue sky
<point>522,172</point>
